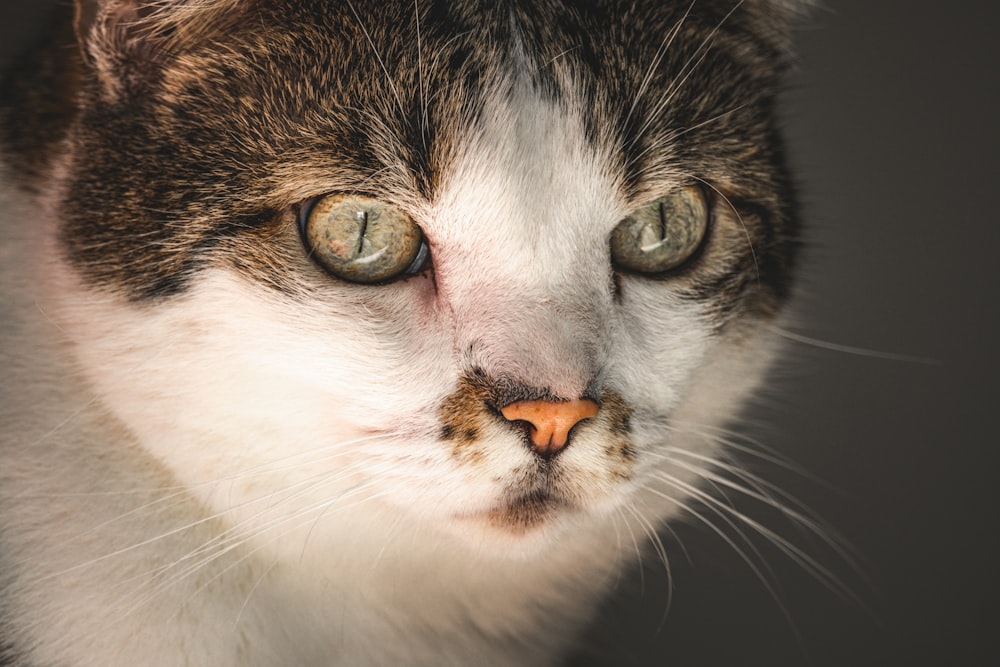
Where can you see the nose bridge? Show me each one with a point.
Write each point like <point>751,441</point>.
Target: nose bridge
<point>543,337</point>
<point>521,249</point>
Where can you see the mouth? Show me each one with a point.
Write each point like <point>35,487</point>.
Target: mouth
<point>524,513</point>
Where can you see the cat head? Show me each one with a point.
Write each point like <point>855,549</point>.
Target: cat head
<point>500,268</point>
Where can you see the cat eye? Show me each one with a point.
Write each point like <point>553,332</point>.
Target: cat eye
<point>662,235</point>
<point>362,240</point>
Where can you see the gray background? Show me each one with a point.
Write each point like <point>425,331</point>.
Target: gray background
<point>890,120</point>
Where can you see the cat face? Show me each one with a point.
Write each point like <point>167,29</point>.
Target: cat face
<point>543,155</point>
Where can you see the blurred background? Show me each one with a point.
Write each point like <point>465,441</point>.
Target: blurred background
<point>890,118</point>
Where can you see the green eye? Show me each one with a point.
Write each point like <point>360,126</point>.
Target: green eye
<point>362,240</point>
<point>663,234</point>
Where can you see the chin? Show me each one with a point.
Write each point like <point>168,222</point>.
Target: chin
<point>520,529</point>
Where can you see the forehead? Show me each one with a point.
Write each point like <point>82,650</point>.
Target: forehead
<point>390,89</point>
<point>530,185</point>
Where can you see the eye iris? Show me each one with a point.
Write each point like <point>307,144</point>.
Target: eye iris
<point>360,239</point>
<point>662,235</point>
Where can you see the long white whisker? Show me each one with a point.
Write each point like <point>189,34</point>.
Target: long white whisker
<point>314,480</point>
<point>739,218</point>
<point>181,494</point>
<point>851,349</point>
<point>673,135</point>
<point>421,90</point>
<point>668,40</point>
<point>797,555</point>
<point>838,545</point>
<point>728,438</point>
<point>765,581</point>
<point>302,487</point>
<point>723,510</point>
<point>560,55</point>
<point>378,56</point>
<point>661,553</point>
<point>689,67</point>
<point>237,541</point>
<point>253,589</point>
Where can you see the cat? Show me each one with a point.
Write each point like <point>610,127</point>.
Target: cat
<point>344,333</point>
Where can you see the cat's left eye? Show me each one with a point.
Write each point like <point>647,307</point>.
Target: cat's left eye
<point>662,235</point>
<point>362,240</point>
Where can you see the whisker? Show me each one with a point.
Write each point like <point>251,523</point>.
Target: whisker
<point>728,439</point>
<point>661,51</point>
<point>378,56</point>
<point>839,545</point>
<point>689,67</point>
<point>797,555</point>
<point>721,510</point>
<point>673,135</point>
<point>708,121</point>
<point>303,487</point>
<point>768,584</point>
<point>253,589</point>
<point>619,572</point>
<point>268,467</point>
<point>421,91</point>
<point>739,218</point>
<point>389,536</point>
<point>559,55</point>
<point>236,542</point>
<point>661,553</point>
<point>180,496</point>
<point>638,551</point>
<point>850,349</point>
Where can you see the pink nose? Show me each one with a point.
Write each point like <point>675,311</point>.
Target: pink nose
<point>550,421</point>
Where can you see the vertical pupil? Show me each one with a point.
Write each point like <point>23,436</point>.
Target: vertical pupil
<point>663,221</point>
<point>363,225</point>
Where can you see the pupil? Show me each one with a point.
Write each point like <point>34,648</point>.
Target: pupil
<point>363,223</point>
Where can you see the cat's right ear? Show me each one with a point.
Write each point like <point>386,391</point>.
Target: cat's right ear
<point>127,43</point>
<point>118,40</point>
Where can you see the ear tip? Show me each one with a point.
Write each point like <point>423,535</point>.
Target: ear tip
<point>786,8</point>
<point>117,42</point>
<point>802,7</point>
<point>84,17</point>
<point>90,13</point>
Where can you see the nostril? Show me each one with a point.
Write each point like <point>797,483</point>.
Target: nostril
<point>550,421</point>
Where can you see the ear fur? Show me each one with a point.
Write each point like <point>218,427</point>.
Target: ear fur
<point>774,19</point>
<point>128,42</point>
<point>786,8</point>
<point>781,13</point>
<point>116,39</point>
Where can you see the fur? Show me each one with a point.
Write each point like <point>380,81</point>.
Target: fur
<point>214,453</point>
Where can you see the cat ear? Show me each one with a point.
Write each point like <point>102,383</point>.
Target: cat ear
<point>774,19</point>
<point>119,40</point>
<point>785,8</point>
<point>129,42</point>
